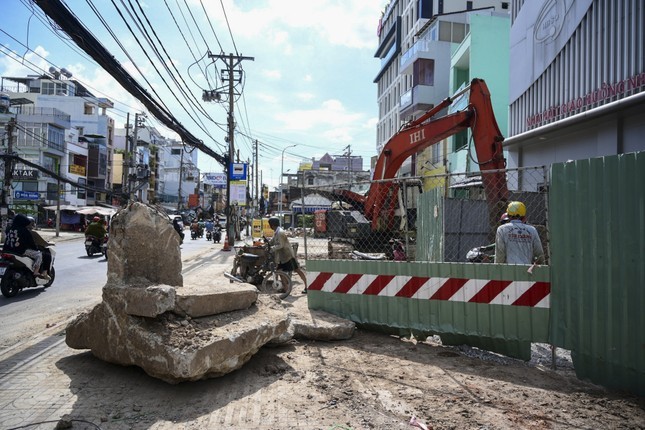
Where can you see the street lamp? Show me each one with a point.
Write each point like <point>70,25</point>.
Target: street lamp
<point>281,177</point>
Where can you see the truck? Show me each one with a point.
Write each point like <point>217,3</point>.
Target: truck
<point>378,206</point>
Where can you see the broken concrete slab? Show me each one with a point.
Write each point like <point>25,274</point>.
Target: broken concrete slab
<point>172,348</point>
<point>145,301</point>
<point>220,297</point>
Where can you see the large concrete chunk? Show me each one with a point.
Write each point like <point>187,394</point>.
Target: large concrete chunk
<point>220,297</point>
<point>175,333</point>
<point>144,247</point>
<point>174,348</point>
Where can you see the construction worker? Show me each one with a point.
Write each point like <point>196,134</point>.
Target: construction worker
<point>515,241</point>
<point>284,255</point>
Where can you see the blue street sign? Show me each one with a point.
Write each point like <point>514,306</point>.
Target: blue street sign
<point>237,171</point>
<point>25,195</point>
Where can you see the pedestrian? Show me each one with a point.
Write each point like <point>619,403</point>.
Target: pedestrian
<point>515,241</point>
<point>283,251</point>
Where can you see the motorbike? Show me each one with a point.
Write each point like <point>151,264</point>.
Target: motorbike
<point>104,246</point>
<point>217,234</point>
<point>17,274</point>
<point>93,245</point>
<point>209,235</point>
<point>481,254</point>
<point>255,265</point>
<point>398,253</point>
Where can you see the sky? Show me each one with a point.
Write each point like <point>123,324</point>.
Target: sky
<point>307,91</point>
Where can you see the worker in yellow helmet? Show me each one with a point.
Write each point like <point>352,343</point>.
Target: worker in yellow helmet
<point>517,242</point>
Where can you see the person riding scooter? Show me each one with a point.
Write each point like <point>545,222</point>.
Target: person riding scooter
<point>96,229</point>
<point>19,241</point>
<point>42,244</point>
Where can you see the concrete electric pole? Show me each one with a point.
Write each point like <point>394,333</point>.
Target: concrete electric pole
<point>232,74</point>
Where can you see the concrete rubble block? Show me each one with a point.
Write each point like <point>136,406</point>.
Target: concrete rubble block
<point>305,323</point>
<point>199,301</point>
<point>320,325</point>
<point>149,301</point>
<point>148,252</point>
<point>174,348</point>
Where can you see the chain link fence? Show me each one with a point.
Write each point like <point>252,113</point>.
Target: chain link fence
<point>433,218</point>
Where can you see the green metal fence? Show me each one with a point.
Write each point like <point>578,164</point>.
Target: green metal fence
<point>597,227</point>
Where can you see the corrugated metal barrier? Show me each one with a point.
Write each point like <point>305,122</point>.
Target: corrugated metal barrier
<point>496,307</point>
<point>597,226</point>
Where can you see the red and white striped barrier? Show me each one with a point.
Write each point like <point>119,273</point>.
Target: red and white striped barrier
<point>494,292</point>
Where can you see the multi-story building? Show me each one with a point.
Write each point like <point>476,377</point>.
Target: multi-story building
<point>577,81</point>
<point>86,113</point>
<point>416,40</point>
<point>39,138</point>
<point>178,174</point>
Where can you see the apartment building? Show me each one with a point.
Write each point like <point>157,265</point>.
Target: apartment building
<point>416,42</point>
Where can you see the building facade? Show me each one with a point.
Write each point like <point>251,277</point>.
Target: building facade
<point>577,87</point>
<point>88,131</point>
<point>416,42</point>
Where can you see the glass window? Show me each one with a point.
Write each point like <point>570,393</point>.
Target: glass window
<point>423,73</point>
<point>52,191</point>
<point>81,191</point>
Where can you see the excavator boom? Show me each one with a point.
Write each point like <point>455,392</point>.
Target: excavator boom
<point>427,130</point>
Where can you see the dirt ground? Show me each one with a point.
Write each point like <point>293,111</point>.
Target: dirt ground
<point>371,381</point>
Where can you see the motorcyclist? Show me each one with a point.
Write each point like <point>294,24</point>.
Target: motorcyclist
<point>178,224</point>
<point>96,229</point>
<point>42,244</point>
<point>517,242</point>
<point>19,241</point>
<point>208,226</point>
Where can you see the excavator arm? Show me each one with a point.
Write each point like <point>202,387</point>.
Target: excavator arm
<point>427,130</point>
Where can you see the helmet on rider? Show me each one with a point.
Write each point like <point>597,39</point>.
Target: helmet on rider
<point>516,210</point>
<point>504,218</point>
<point>274,222</point>
<point>96,219</point>
<point>32,222</point>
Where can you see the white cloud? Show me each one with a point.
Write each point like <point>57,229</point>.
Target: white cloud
<point>330,115</point>
<point>272,74</point>
<point>305,97</point>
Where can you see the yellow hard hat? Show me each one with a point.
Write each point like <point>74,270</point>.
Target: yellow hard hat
<point>516,209</point>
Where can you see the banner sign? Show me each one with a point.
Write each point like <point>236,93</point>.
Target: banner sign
<point>26,195</point>
<point>214,178</point>
<point>25,174</point>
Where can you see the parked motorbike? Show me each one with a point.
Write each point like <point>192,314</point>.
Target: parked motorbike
<point>17,274</point>
<point>255,265</point>
<point>93,245</point>
<point>481,254</point>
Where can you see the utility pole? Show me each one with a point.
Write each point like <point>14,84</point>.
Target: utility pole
<point>8,174</point>
<point>181,168</point>
<point>257,201</point>
<point>126,161</point>
<point>230,74</point>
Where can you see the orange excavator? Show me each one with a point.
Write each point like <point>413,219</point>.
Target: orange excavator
<point>379,204</point>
